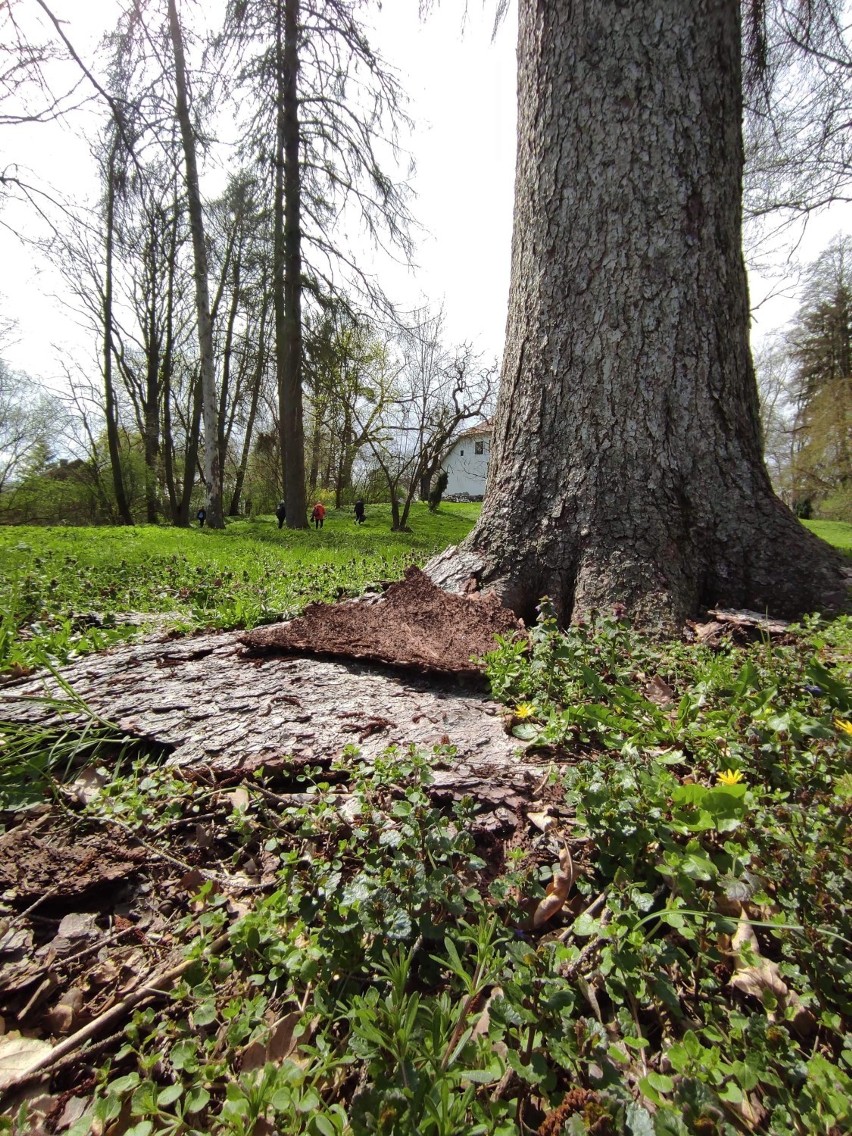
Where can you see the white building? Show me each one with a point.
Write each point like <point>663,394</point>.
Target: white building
<point>466,462</point>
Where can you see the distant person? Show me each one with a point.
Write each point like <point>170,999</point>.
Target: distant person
<point>359,512</point>
<point>281,513</point>
<point>318,515</point>
<point>201,517</point>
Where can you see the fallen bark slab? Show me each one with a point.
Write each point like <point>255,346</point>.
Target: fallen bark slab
<point>222,714</point>
<point>414,625</point>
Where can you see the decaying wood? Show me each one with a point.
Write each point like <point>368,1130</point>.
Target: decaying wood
<point>414,625</point>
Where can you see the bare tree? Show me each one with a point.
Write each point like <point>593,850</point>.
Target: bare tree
<point>209,402</point>
<point>798,107</point>
<point>434,392</point>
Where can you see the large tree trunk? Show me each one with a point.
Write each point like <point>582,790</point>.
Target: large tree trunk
<point>287,272</point>
<point>212,475</point>
<point>626,463</point>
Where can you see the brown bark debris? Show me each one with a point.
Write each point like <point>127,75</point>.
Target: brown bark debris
<point>414,625</point>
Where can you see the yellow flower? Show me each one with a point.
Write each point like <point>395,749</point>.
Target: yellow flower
<point>844,724</point>
<point>729,777</point>
<point>525,710</point>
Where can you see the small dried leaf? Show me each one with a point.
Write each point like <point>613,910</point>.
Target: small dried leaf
<point>763,975</point>
<point>74,1109</point>
<point>549,906</point>
<point>191,880</point>
<point>754,980</point>
<point>204,837</point>
<point>18,1055</point>
<point>658,690</point>
<point>542,821</point>
<point>239,799</point>
<point>558,890</point>
<point>282,1042</point>
<point>750,1110</point>
<point>483,1022</point>
<point>278,1046</point>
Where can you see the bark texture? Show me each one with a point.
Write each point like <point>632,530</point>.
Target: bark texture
<point>110,411</point>
<point>226,715</point>
<point>626,463</point>
<point>287,269</point>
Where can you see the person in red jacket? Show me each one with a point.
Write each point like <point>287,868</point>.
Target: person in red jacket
<point>318,515</point>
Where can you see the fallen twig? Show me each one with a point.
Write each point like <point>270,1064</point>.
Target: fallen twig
<point>16,919</point>
<point>159,985</point>
<point>590,910</point>
<point>221,878</point>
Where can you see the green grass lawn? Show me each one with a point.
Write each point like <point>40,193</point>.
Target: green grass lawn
<point>64,590</point>
<point>838,533</point>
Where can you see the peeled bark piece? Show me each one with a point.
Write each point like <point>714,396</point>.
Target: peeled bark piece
<point>626,462</point>
<point>414,624</point>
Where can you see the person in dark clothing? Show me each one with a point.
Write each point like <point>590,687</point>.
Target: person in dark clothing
<point>281,513</point>
<point>359,512</point>
<point>201,517</point>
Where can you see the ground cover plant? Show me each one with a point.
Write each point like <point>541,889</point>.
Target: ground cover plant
<point>66,590</point>
<point>336,949</point>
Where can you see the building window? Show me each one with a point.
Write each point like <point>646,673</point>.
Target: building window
<point>479,447</point>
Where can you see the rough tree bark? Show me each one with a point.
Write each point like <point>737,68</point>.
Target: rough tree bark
<point>626,463</point>
<point>287,270</point>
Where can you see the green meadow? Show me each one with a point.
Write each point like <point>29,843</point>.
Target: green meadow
<point>65,590</point>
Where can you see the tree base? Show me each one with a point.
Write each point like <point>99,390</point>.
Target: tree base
<point>779,568</point>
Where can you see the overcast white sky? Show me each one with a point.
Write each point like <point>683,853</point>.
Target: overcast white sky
<point>462,87</point>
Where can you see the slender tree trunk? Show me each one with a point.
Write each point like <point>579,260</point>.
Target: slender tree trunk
<point>260,365</point>
<point>212,475</point>
<point>287,274</point>
<point>626,462</point>
<point>345,462</point>
<point>110,413</point>
<point>316,440</point>
<point>191,456</point>
<point>166,375</point>
<point>394,502</point>
<point>151,407</point>
<point>227,356</point>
